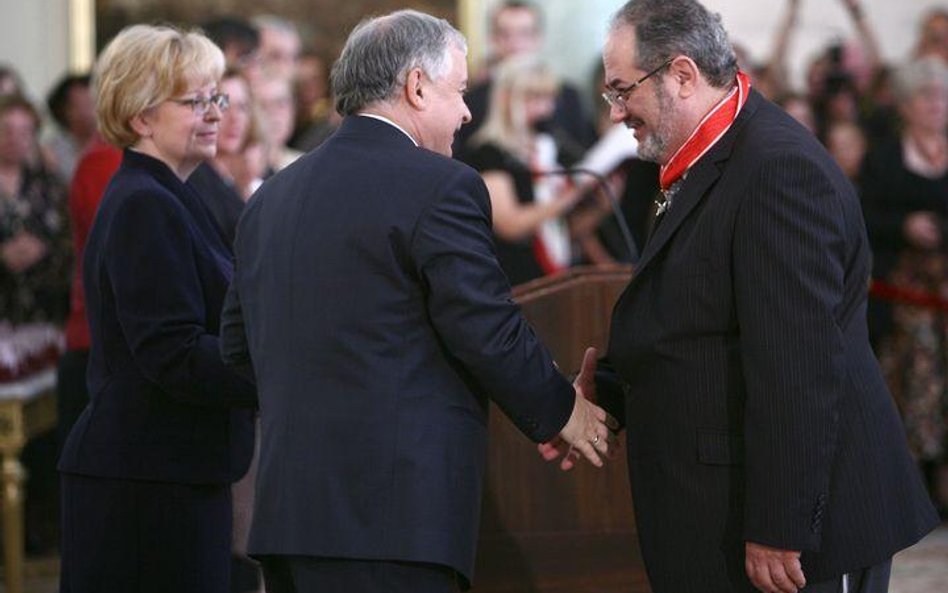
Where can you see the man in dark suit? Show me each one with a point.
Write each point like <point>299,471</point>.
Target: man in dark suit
<point>377,320</point>
<point>764,449</point>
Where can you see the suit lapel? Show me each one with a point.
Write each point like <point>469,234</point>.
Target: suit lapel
<point>695,186</point>
<point>693,189</point>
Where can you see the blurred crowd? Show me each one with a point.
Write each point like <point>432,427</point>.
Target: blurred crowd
<point>885,124</point>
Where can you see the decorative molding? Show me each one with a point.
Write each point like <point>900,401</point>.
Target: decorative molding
<point>81,35</point>
<point>470,22</point>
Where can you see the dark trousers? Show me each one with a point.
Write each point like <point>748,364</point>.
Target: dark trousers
<point>874,579</point>
<point>126,536</point>
<point>306,574</point>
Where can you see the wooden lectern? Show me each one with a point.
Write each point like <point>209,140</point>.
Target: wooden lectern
<point>543,530</point>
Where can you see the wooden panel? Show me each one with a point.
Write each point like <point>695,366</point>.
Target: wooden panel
<point>545,531</point>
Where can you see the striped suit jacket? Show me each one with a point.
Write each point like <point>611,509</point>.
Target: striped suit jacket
<point>754,406</point>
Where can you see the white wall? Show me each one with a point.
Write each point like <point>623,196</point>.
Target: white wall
<point>576,28</point>
<point>34,39</point>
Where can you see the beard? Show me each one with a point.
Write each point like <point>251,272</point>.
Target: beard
<point>655,145</point>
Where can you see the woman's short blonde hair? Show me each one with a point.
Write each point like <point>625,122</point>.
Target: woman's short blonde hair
<point>143,66</point>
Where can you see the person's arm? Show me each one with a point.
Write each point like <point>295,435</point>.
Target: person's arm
<point>469,304</point>
<point>867,38</point>
<point>777,72</point>
<point>160,304</point>
<point>235,352</point>
<point>514,221</point>
<point>789,260</point>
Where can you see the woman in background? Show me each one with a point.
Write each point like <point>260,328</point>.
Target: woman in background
<point>148,466</point>
<point>528,204</point>
<point>34,289</point>
<point>904,187</point>
<point>34,233</point>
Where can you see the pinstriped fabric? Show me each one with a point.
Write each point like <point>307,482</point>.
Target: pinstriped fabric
<point>756,410</point>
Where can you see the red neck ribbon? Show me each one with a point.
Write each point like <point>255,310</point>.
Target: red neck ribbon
<point>711,128</point>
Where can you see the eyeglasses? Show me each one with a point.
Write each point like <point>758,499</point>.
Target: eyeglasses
<point>617,97</point>
<point>201,105</point>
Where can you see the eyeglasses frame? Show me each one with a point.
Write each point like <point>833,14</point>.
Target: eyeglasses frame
<point>617,98</point>
<point>201,105</point>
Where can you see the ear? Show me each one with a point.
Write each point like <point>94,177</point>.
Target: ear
<point>416,90</point>
<point>685,72</point>
<point>141,126</point>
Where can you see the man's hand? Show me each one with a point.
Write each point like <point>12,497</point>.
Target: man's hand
<point>589,429</point>
<point>773,570</point>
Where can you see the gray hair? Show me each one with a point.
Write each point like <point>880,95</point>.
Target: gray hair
<point>666,28</point>
<point>381,51</point>
<point>913,76</point>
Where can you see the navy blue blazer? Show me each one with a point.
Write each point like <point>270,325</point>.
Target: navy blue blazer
<point>369,299</point>
<point>163,405</point>
<point>755,408</point>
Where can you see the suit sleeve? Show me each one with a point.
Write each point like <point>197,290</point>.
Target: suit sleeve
<point>160,305</point>
<point>235,351</point>
<point>789,261</point>
<point>469,303</point>
<point>610,391</point>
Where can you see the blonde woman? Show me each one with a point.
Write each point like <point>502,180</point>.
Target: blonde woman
<point>514,159</point>
<point>148,465</point>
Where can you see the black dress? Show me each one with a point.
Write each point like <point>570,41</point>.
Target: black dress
<point>517,258</point>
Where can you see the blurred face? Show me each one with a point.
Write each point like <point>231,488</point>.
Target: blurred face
<point>934,37</point>
<point>927,109</point>
<point>176,134</point>
<point>17,136</point>
<point>516,31</point>
<point>275,99</point>
<point>843,106</point>
<point>647,109</point>
<point>279,51</point>
<point>80,111</point>
<point>538,106</point>
<point>310,81</point>
<point>847,144</point>
<point>235,122</point>
<point>446,112</point>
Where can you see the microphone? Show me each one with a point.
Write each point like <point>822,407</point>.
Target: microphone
<point>602,184</point>
<point>568,147</point>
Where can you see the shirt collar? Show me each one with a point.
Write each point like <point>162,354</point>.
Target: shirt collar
<point>389,122</point>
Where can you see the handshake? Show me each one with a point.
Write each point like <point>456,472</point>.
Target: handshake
<point>589,431</point>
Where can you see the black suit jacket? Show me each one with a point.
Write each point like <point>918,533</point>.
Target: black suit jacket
<point>368,298</point>
<point>221,198</point>
<point>755,408</point>
<point>163,405</point>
